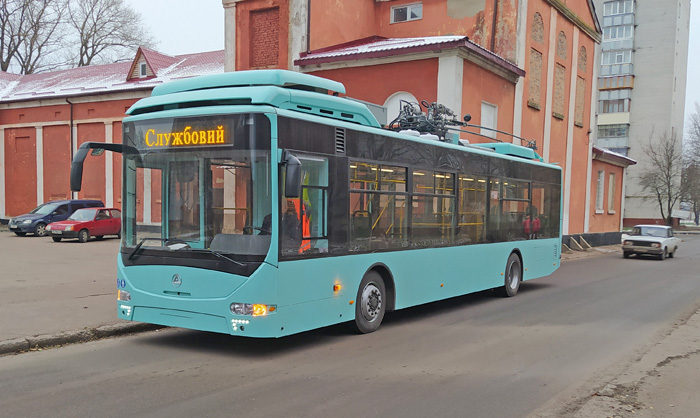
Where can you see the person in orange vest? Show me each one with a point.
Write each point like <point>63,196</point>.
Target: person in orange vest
<point>302,225</point>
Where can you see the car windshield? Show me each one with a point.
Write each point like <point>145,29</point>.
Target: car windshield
<point>45,209</point>
<point>650,231</point>
<point>83,215</point>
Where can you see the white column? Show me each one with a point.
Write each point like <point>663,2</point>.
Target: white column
<point>551,58</point>
<point>74,145</point>
<point>298,30</point>
<point>109,167</point>
<point>39,165</point>
<point>450,80</point>
<point>591,142</point>
<point>521,53</point>
<point>147,196</point>
<point>3,167</point>
<point>229,34</point>
<point>571,117</point>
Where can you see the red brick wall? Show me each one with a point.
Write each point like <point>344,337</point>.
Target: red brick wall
<point>20,171</point>
<point>264,38</point>
<point>56,144</point>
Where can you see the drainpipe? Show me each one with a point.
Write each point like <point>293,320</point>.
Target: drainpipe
<point>308,26</point>
<point>493,26</point>
<point>73,194</point>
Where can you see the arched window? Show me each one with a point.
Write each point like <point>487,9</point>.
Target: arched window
<point>561,46</point>
<point>537,28</point>
<point>582,59</point>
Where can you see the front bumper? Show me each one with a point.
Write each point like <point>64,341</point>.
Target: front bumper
<point>633,249</point>
<point>64,234</point>
<point>20,227</point>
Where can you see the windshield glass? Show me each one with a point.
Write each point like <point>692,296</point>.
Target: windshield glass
<point>83,215</point>
<point>196,186</point>
<point>45,209</point>
<point>649,231</point>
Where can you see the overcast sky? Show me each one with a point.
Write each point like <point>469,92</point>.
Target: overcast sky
<point>186,26</point>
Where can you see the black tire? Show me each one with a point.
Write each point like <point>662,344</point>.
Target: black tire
<point>663,255</point>
<point>626,255</point>
<point>673,253</point>
<point>20,234</point>
<point>83,235</point>
<point>371,303</point>
<point>513,275</point>
<point>40,229</point>
<point>119,235</point>
<point>56,239</point>
<point>99,237</point>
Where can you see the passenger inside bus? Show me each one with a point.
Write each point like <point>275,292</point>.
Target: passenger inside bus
<point>295,227</point>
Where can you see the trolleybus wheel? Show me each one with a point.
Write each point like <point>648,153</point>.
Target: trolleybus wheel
<point>513,275</point>
<point>371,303</point>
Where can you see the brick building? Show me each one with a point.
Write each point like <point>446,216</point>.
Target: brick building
<point>45,117</point>
<point>521,66</point>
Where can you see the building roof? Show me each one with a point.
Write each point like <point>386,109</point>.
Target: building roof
<point>108,78</point>
<point>611,157</point>
<point>380,47</point>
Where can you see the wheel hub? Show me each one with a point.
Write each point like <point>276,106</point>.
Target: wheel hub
<point>371,302</point>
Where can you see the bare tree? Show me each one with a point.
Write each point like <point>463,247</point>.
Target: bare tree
<point>691,175</point>
<point>661,173</point>
<point>41,38</point>
<point>107,30</point>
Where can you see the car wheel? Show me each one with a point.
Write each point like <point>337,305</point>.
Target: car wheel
<point>40,229</point>
<point>664,254</point>
<point>56,239</point>
<point>119,235</point>
<point>83,235</point>
<point>673,253</point>
<point>626,255</point>
<point>371,303</point>
<point>513,275</point>
<point>20,234</point>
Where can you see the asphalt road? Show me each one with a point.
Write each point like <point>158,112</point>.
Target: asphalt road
<point>473,356</point>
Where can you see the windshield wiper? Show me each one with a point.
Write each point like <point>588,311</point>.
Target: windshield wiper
<point>138,246</point>
<point>218,254</point>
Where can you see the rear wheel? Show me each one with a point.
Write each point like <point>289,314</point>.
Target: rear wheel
<point>371,303</point>
<point>83,235</point>
<point>672,253</point>
<point>513,275</point>
<point>56,239</point>
<point>40,229</point>
<point>626,254</point>
<point>99,237</point>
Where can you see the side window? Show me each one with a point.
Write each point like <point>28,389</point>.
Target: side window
<point>303,223</point>
<point>102,215</point>
<point>517,220</point>
<point>62,210</point>
<point>116,214</point>
<point>377,211</point>
<point>472,209</point>
<point>433,205</point>
<point>545,204</point>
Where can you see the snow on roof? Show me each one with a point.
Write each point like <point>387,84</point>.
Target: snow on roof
<point>378,46</point>
<point>108,78</point>
<point>612,156</point>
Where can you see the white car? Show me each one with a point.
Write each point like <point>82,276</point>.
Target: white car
<point>656,240</point>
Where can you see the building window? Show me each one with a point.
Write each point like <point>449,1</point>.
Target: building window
<point>613,131</point>
<point>535,79</point>
<point>561,46</point>
<point>618,7</point>
<point>489,119</point>
<point>617,57</point>
<point>611,193</point>
<point>407,13</point>
<point>614,106</point>
<point>580,101</point>
<point>143,70</point>
<point>559,91</point>
<point>582,59</point>
<point>600,186</point>
<point>618,32</point>
<point>537,29</point>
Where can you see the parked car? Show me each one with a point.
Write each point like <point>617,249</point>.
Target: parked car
<point>36,220</point>
<point>86,223</point>
<point>656,240</point>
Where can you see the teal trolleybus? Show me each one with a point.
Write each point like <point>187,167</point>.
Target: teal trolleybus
<point>258,204</point>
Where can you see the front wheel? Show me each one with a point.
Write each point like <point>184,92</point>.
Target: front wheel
<point>83,235</point>
<point>56,239</point>
<point>20,234</point>
<point>40,229</point>
<point>663,255</point>
<point>513,275</point>
<point>371,303</point>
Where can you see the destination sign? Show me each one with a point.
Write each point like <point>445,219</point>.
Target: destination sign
<point>187,138</point>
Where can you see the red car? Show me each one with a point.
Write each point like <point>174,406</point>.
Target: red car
<point>84,223</point>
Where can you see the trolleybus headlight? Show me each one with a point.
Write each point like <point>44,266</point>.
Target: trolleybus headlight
<point>123,295</point>
<point>254,309</point>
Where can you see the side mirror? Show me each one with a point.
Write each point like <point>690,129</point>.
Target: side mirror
<point>292,178</point>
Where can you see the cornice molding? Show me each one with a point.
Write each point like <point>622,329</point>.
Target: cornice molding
<point>562,8</point>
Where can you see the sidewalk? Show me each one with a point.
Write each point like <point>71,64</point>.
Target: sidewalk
<point>52,303</point>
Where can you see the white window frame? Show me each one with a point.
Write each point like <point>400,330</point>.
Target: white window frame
<point>410,9</point>
<point>600,190</point>
<point>489,119</point>
<point>143,69</point>
<point>611,193</point>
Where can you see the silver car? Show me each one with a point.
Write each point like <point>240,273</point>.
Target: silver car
<point>656,240</point>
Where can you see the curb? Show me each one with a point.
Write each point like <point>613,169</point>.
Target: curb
<point>36,342</point>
